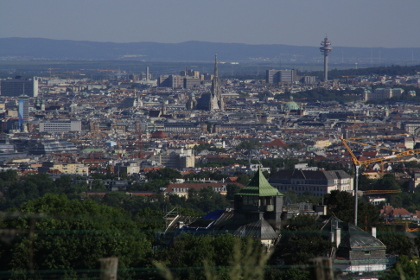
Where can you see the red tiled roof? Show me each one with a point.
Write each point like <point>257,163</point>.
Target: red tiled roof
<point>275,143</point>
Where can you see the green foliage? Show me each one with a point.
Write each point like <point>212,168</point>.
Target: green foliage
<point>322,94</point>
<point>296,146</point>
<point>17,191</point>
<point>205,175</point>
<point>206,200</point>
<point>70,237</point>
<point>209,147</point>
<point>206,257</point>
<point>248,145</point>
<point>232,189</point>
<point>301,240</point>
<point>404,269</point>
<point>341,204</point>
<point>164,174</point>
<point>244,178</point>
<point>327,165</point>
<point>387,182</point>
<point>274,164</point>
<point>396,241</point>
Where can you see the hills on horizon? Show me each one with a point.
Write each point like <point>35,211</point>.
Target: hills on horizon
<point>196,51</point>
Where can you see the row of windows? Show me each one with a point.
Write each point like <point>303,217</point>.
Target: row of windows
<point>300,188</point>
<point>184,190</point>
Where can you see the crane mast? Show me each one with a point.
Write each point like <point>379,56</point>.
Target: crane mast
<point>359,163</point>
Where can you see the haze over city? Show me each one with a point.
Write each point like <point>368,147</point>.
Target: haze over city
<point>215,139</point>
<point>357,23</point>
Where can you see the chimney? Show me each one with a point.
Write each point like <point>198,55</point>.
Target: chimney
<point>374,232</point>
<point>337,236</point>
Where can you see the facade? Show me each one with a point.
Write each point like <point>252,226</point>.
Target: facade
<point>176,158</point>
<point>71,168</point>
<point>50,146</point>
<point>23,112</point>
<point>172,81</point>
<point>280,76</point>
<point>60,126</point>
<point>256,214</point>
<point>128,168</point>
<point>19,86</point>
<point>382,93</point>
<point>357,254</point>
<point>182,189</point>
<point>319,183</point>
<point>191,82</point>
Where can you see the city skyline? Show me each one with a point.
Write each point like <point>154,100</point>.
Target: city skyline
<point>357,23</point>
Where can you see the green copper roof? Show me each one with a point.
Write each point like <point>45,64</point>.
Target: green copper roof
<point>259,186</point>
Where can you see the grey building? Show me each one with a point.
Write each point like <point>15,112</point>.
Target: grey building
<point>319,183</point>
<point>19,86</point>
<point>60,126</point>
<point>280,76</point>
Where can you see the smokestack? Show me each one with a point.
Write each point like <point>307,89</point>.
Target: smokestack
<point>374,232</point>
<point>337,236</point>
<point>147,73</point>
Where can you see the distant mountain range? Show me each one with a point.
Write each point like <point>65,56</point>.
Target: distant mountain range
<point>47,49</point>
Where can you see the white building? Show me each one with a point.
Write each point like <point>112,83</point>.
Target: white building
<point>60,126</point>
<point>319,183</point>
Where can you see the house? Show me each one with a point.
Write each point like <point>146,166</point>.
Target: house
<point>390,213</point>
<point>182,189</point>
<point>317,182</point>
<point>257,214</point>
<point>356,253</point>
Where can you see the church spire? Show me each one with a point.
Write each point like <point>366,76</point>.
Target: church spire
<point>216,100</point>
<point>216,69</point>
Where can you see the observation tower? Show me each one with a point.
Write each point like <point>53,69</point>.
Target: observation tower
<point>325,49</point>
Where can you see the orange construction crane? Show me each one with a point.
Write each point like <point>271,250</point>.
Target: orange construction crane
<point>359,163</point>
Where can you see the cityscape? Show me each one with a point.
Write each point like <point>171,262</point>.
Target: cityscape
<point>209,149</point>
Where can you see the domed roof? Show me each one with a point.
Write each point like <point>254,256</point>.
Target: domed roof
<point>291,105</point>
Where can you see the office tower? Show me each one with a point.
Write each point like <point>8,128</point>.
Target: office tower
<point>23,112</point>
<point>280,76</point>
<point>325,50</point>
<point>19,86</point>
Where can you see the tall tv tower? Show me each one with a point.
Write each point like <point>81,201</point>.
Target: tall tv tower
<point>325,49</point>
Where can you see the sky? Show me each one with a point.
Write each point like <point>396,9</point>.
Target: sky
<point>348,23</point>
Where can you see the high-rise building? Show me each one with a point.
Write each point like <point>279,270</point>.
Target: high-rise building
<point>280,76</point>
<point>23,112</point>
<point>19,86</point>
<point>191,82</point>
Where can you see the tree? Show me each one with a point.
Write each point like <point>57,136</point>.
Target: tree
<point>221,257</point>
<point>341,204</point>
<point>98,185</point>
<point>248,145</point>
<point>165,174</point>
<point>405,268</point>
<point>387,182</point>
<point>301,240</point>
<point>232,189</point>
<point>70,236</point>
<point>396,242</point>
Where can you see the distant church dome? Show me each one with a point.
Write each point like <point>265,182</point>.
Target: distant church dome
<point>291,106</point>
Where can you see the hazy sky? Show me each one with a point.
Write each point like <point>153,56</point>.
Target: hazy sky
<point>352,23</point>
